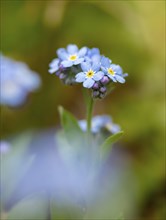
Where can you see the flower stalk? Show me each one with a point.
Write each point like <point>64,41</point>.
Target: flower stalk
<point>89,117</point>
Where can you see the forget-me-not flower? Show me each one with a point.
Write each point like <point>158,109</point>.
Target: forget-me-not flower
<point>91,73</point>
<point>113,71</point>
<point>17,80</point>
<point>99,123</point>
<point>93,55</point>
<point>54,65</point>
<point>71,55</point>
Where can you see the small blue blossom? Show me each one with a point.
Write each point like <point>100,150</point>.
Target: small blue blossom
<point>113,71</point>
<point>67,65</point>
<point>93,55</point>
<point>99,123</point>
<point>71,55</point>
<point>17,80</point>
<point>91,73</point>
<point>54,66</point>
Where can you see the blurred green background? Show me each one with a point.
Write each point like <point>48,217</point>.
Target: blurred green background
<point>132,34</point>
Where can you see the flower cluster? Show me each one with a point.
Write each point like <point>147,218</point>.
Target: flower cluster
<point>100,123</point>
<point>86,66</point>
<point>17,80</point>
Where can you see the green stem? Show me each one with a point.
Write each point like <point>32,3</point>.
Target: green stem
<point>89,102</point>
<point>85,96</point>
<point>89,115</point>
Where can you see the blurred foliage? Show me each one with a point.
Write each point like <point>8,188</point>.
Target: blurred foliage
<point>131,33</point>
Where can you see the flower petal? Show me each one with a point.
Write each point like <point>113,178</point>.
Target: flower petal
<point>125,74</point>
<point>119,70</point>
<point>52,70</point>
<point>82,51</point>
<point>99,122</point>
<point>96,58</point>
<point>120,79</point>
<point>72,48</point>
<point>98,76</point>
<point>67,63</point>
<point>105,62</point>
<point>113,128</point>
<point>78,61</point>
<point>95,51</point>
<point>114,67</point>
<point>88,83</point>
<point>54,66</point>
<point>95,66</point>
<point>85,66</point>
<point>80,77</point>
<point>104,69</point>
<point>54,62</point>
<point>83,125</point>
<point>111,77</point>
<point>62,54</point>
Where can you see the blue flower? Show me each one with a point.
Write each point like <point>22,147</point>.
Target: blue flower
<point>113,71</point>
<point>54,66</point>
<point>17,80</point>
<point>93,55</point>
<point>99,123</point>
<point>71,55</point>
<point>90,74</point>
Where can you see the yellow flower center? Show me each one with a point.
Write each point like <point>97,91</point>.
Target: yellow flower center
<point>73,57</point>
<point>110,71</point>
<point>90,74</point>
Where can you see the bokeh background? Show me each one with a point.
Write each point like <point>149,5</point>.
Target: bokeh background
<point>132,34</point>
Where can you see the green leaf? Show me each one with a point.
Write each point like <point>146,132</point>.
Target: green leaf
<point>107,145</point>
<point>72,130</point>
<point>31,208</point>
<point>112,139</point>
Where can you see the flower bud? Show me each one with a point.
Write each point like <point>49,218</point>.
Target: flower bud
<point>62,76</point>
<point>103,89</point>
<point>102,95</point>
<point>95,86</point>
<point>104,80</point>
<point>95,94</point>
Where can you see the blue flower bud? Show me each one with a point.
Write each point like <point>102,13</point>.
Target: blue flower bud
<point>95,94</point>
<point>104,80</point>
<point>62,76</point>
<point>103,89</point>
<point>95,86</point>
